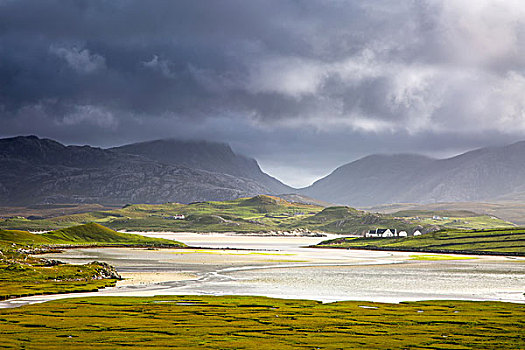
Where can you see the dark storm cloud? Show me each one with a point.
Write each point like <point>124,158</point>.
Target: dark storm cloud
<point>298,84</point>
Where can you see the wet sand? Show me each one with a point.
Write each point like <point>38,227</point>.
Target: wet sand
<point>142,278</point>
<point>282,267</point>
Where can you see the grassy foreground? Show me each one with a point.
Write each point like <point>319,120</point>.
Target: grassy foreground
<point>500,241</point>
<point>236,322</point>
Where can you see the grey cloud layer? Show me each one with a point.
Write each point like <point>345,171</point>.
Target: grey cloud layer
<point>108,72</point>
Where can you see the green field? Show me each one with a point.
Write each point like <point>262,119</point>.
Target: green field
<point>237,322</point>
<point>499,241</point>
<point>256,214</point>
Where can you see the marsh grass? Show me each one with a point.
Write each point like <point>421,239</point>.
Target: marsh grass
<point>237,322</point>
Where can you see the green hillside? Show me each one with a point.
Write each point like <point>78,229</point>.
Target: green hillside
<point>22,237</point>
<point>96,233</point>
<point>501,241</point>
<point>92,233</point>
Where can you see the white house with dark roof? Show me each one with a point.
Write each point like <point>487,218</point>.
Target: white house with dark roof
<point>382,232</point>
<point>389,232</point>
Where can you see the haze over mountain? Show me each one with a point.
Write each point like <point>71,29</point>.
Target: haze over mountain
<point>485,174</point>
<point>34,170</point>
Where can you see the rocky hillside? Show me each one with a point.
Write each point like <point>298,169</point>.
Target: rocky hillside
<point>485,174</point>
<point>34,171</point>
<point>210,156</point>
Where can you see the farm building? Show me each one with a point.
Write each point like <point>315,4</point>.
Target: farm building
<point>389,232</point>
<point>382,232</point>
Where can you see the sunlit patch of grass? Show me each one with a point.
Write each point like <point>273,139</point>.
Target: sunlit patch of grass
<point>440,257</point>
<point>227,252</point>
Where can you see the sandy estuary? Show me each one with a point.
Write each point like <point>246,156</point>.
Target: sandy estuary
<point>282,267</point>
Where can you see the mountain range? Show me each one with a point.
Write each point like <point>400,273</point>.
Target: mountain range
<point>35,170</point>
<point>485,174</point>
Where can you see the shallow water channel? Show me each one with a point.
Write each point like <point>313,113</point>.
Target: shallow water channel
<point>283,267</point>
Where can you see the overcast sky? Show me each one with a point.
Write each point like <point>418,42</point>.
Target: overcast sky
<point>302,86</point>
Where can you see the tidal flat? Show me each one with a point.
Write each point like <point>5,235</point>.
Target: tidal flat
<point>282,267</point>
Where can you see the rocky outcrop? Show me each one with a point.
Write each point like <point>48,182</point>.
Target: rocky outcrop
<point>105,271</point>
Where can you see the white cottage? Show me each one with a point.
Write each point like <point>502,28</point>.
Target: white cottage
<point>382,232</point>
<point>386,232</point>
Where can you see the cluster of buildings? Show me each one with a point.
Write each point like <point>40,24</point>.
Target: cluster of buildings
<point>389,232</point>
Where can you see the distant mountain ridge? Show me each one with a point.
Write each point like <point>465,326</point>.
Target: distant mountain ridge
<point>35,171</point>
<point>485,174</point>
